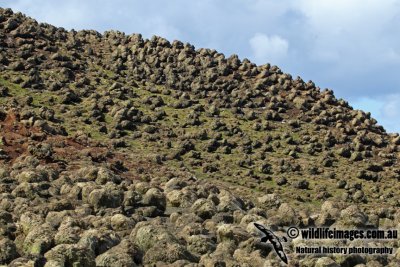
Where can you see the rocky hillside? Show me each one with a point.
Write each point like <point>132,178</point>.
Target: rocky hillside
<point>121,151</point>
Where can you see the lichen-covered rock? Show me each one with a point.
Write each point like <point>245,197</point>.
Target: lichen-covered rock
<point>105,175</point>
<point>204,208</point>
<point>167,252</point>
<point>326,262</point>
<point>287,215</point>
<point>107,197</point>
<point>228,232</point>
<point>99,241</point>
<point>68,235</point>
<point>69,255</point>
<point>229,202</point>
<point>124,254</point>
<point>148,236</point>
<point>154,197</point>
<point>8,250</point>
<point>32,177</point>
<point>352,216</point>
<point>39,240</point>
<point>269,200</point>
<point>29,220</point>
<point>120,222</point>
<point>54,218</point>
<point>181,198</point>
<point>200,244</point>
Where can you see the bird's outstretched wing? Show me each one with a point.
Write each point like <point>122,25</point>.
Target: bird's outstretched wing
<point>270,236</point>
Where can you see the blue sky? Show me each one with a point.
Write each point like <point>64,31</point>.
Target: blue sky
<point>350,46</point>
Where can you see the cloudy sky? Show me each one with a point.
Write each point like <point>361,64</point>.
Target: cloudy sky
<point>350,46</point>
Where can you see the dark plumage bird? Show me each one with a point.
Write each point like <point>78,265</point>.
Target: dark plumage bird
<point>270,236</point>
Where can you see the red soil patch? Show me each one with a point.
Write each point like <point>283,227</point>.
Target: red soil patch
<point>68,152</point>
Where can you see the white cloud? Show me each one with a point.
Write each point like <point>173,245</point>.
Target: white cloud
<point>351,32</point>
<point>268,49</point>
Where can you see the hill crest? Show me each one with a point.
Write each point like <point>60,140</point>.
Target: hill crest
<point>134,135</point>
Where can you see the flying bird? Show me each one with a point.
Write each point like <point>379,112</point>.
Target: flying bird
<point>270,236</point>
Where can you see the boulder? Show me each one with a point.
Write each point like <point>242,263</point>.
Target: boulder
<point>106,197</point>
<point>39,240</point>
<point>8,251</point>
<point>69,255</point>
<point>204,208</point>
<point>124,254</point>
